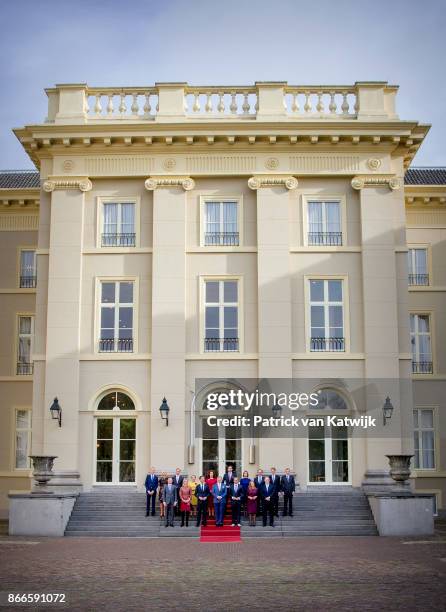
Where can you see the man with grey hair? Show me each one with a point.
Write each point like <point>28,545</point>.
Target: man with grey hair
<point>170,501</point>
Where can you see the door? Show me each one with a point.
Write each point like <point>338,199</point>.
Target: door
<point>115,450</point>
<point>220,447</point>
<point>328,455</point>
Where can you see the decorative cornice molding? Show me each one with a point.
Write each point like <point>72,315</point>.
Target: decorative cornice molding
<point>259,181</point>
<point>361,182</point>
<point>53,183</point>
<point>154,182</point>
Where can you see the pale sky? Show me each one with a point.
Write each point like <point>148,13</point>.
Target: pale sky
<point>138,42</point>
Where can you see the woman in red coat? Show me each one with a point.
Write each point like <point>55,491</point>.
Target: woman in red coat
<point>210,481</point>
<point>185,494</point>
<point>251,497</point>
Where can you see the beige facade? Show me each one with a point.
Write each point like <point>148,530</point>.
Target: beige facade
<point>272,152</point>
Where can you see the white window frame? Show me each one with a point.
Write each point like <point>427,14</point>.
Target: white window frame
<point>28,431</point>
<point>429,315</point>
<point>240,318</point>
<point>420,247</point>
<point>419,430</point>
<point>345,312</point>
<point>21,315</point>
<point>220,199</point>
<point>98,302</point>
<point>306,198</point>
<point>101,200</point>
<point>23,250</point>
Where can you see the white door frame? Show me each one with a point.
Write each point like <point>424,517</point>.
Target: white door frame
<point>116,418</point>
<point>328,459</point>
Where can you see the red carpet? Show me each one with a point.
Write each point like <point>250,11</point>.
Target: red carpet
<point>211,533</point>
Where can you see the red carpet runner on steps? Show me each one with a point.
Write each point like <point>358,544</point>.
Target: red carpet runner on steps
<point>211,533</point>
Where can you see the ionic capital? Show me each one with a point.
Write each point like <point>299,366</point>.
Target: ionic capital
<point>53,183</point>
<point>259,181</point>
<point>360,182</point>
<point>154,182</point>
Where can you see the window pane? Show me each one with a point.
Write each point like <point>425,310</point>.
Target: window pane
<point>315,217</point>
<point>332,213</point>
<point>317,290</point>
<point>212,217</point>
<point>212,316</point>
<point>230,291</point>
<point>125,402</point>
<point>415,419</point>
<point>412,323</point>
<point>423,323</point>
<point>125,318</point>
<point>335,291</point>
<point>335,316</point>
<point>21,445</point>
<point>316,449</point>
<point>230,316</point>
<point>127,450</point>
<point>108,293</point>
<point>127,429</point>
<point>212,291</point>
<point>25,325</point>
<point>420,261</point>
<point>23,419</point>
<point>25,350</point>
<point>108,317</point>
<point>104,450</point>
<point>110,218</point>
<point>126,293</point>
<point>317,316</point>
<point>105,428</point>
<point>427,418</point>
<point>127,218</point>
<point>229,216</point>
<point>427,440</point>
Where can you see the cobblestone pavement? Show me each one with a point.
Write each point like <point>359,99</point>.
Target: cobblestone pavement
<point>330,573</point>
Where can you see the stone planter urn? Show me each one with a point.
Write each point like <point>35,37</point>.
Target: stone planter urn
<point>399,468</point>
<point>43,471</point>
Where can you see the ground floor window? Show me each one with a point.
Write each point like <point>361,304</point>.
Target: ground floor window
<point>221,447</point>
<point>424,439</point>
<point>115,449</point>
<point>22,439</point>
<point>328,455</point>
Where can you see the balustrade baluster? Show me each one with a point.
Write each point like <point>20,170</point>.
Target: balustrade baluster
<point>332,106</point>
<point>221,103</point>
<point>110,107</point>
<point>196,107</point>
<point>320,102</point>
<point>295,104</point>
<point>345,105</point>
<point>233,107</point>
<point>246,105</point>
<point>208,107</point>
<point>98,106</point>
<point>147,108</point>
<point>122,107</point>
<point>307,106</point>
<point>135,107</point>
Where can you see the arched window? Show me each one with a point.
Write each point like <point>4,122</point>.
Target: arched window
<point>116,400</point>
<point>330,399</point>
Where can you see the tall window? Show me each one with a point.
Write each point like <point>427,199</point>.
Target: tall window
<point>424,439</point>
<point>118,224</point>
<point>324,223</point>
<point>22,439</point>
<point>326,315</point>
<point>221,315</point>
<point>28,274</point>
<point>417,264</point>
<point>116,329</point>
<point>24,345</point>
<point>420,337</point>
<point>221,224</point>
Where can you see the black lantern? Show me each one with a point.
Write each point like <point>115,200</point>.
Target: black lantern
<point>387,410</point>
<point>164,411</point>
<point>56,411</point>
<point>276,410</point>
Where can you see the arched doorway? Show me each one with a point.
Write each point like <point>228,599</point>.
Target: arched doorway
<point>115,448</point>
<point>329,448</point>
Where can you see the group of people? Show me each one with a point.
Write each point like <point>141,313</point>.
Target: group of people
<point>209,496</point>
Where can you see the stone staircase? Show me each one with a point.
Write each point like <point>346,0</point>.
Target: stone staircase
<point>120,512</point>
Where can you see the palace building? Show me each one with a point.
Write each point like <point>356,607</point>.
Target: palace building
<point>174,233</point>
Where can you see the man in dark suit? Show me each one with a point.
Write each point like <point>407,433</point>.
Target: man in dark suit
<point>202,492</point>
<point>228,477</point>
<point>219,491</point>
<point>275,482</point>
<point>266,493</point>
<point>288,486</point>
<point>236,495</point>
<point>170,501</point>
<point>258,480</point>
<point>178,483</point>
<point>151,485</point>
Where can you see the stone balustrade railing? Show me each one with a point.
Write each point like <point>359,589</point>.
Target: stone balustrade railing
<point>267,101</point>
